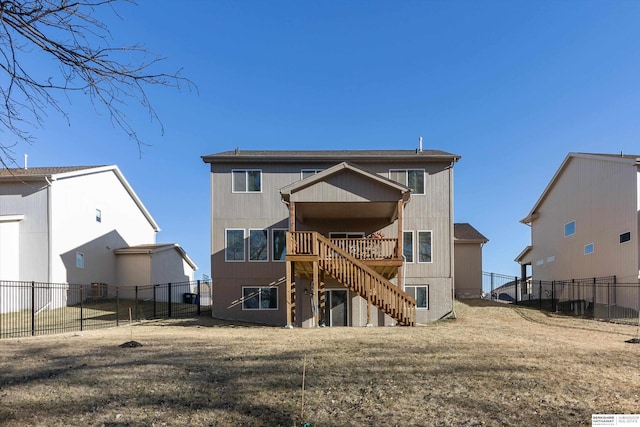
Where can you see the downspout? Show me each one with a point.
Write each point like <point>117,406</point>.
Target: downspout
<point>451,245</point>
<point>49,231</point>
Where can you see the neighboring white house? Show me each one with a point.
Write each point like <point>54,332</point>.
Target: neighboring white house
<point>585,223</point>
<point>65,224</point>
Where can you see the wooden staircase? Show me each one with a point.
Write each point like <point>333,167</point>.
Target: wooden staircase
<point>355,275</point>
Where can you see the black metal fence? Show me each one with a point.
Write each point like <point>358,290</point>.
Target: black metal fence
<point>35,308</point>
<point>596,298</point>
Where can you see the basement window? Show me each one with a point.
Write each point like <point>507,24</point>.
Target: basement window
<point>259,298</point>
<point>421,294</point>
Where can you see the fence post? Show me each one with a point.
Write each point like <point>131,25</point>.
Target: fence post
<point>169,299</point>
<point>81,306</point>
<point>539,293</point>
<point>595,296</point>
<point>136,303</point>
<point>117,307</point>
<point>553,296</point>
<point>515,287</point>
<point>33,308</point>
<point>199,297</point>
<point>608,300</point>
<point>154,301</point>
<point>492,285</point>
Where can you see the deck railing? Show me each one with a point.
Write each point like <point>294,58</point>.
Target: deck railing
<point>354,274</point>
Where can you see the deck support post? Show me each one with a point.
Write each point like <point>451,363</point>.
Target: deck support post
<point>400,248</point>
<point>323,302</point>
<point>290,293</point>
<point>314,294</point>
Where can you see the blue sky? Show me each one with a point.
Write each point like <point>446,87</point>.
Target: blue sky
<point>511,86</point>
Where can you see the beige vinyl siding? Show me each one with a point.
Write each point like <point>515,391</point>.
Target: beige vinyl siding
<point>265,210</point>
<point>600,195</point>
<point>468,265</point>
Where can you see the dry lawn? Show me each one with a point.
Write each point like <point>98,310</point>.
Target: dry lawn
<point>496,365</point>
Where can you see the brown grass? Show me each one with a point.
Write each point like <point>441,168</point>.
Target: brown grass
<point>495,365</point>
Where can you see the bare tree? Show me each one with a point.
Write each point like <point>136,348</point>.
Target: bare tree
<point>67,34</point>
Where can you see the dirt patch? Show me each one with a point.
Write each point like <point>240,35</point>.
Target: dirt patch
<point>495,365</point>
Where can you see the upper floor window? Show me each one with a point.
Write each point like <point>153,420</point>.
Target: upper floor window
<point>625,237</point>
<point>412,178</point>
<point>98,215</point>
<point>79,260</point>
<point>407,245</point>
<point>247,181</point>
<point>424,246</point>
<point>306,173</point>
<point>569,228</point>
<point>588,249</point>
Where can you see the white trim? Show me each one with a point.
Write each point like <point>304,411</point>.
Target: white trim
<point>11,218</point>
<point>244,246</point>
<point>246,171</point>
<point>418,246</point>
<point>266,230</point>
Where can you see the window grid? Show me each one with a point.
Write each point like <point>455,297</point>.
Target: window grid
<point>246,181</point>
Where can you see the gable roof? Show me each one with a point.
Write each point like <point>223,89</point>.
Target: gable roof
<point>295,156</point>
<point>152,248</point>
<point>466,233</point>
<point>51,174</point>
<point>286,191</point>
<point>621,158</point>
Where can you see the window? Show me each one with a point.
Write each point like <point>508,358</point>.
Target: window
<point>588,249</point>
<point>424,246</point>
<point>279,238</point>
<point>412,178</point>
<point>259,245</point>
<point>407,245</point>
<point>234,245</point>
<point>306,173</point>
<point>259,298</point>
<point>625,237</point>
<point>421,294</point>
<point>79,260</point>
<point>247,181</point>
<point>569,228</point>
<point>98,215</point>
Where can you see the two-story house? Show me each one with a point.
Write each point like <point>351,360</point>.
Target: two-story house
<point>585,224</point>
<point>336,238</point>
<point>80,225</point>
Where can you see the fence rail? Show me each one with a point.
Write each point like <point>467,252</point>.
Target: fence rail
<point>596,298</point>
<point>36,308</point>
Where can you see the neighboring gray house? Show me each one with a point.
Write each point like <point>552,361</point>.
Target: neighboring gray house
<point>66,225</point>
<point>468,243</point>
<point>585,223</point>
<point>332,237</point>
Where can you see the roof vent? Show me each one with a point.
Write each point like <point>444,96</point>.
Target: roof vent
<point>25,161</point>
<point>420,144</point>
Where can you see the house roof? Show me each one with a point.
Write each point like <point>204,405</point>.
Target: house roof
<point>51,174</point>
<point>155,248</point>
<point>465,232</point>
<point>520,259</point>
<point>296,156</point>
<point>628,159</point>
